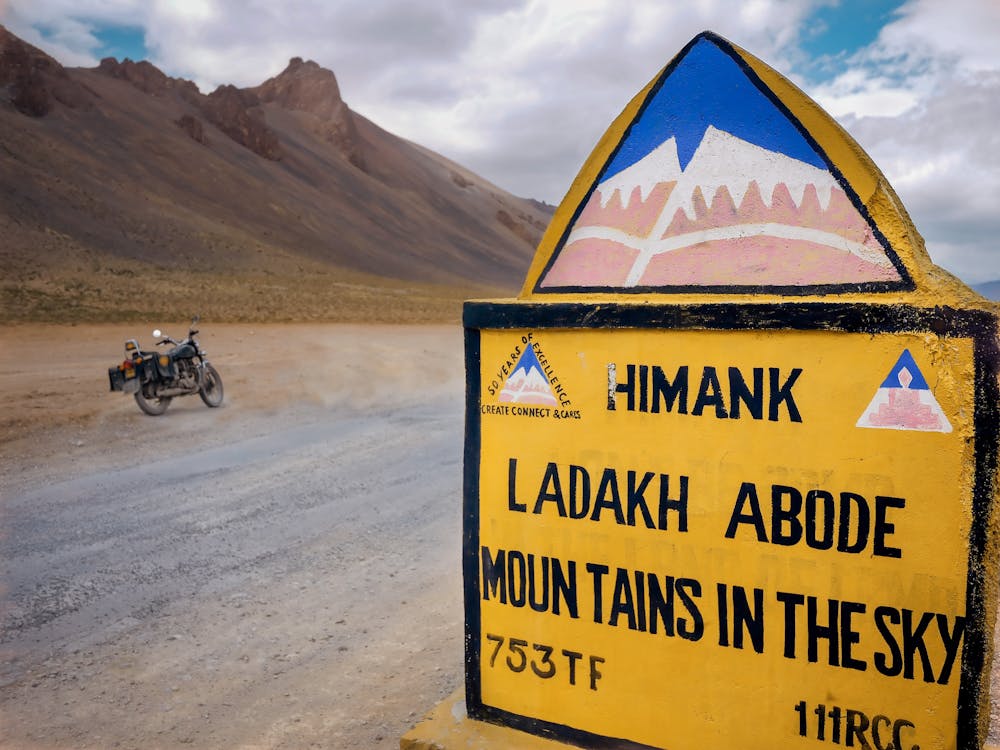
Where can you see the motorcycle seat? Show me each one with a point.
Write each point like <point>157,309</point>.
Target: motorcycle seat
<point>184,351</point>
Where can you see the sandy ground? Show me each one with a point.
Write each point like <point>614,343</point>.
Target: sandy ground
<point>282,572</point>
<point>59,417</point>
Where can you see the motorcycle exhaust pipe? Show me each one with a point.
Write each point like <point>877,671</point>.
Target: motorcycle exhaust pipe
<point>173,392</point>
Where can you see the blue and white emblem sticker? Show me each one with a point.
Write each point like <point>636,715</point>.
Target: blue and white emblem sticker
<point>528,384</point>
<point>904,401</point>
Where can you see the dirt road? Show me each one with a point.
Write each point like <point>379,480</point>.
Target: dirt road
<point>283,572</point>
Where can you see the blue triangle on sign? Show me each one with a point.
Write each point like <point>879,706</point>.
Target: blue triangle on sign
<point>528,383</point>
<point>906,362</point>
<point>708,87</point>
<point>529,361</point>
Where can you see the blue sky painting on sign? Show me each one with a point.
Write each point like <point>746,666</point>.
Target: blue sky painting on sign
<point>708,88</point>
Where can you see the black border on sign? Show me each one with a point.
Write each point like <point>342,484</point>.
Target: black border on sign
<point>905,281</point>
<point>979,326</point>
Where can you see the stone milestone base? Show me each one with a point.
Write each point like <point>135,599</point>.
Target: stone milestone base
<point>448,727</point>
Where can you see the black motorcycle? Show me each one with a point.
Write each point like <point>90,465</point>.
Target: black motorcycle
<point>154,378</point>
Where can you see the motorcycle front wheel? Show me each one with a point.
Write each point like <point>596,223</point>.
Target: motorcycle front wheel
<point>154,407</point>
<point>211,386</point>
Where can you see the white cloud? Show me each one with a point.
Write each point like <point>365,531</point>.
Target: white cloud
<point>65,28</point>
<point>923,101</point>
<point>962,33</point>
<point>943,158</point>
<point>540,83</point>
<point>866,92</point>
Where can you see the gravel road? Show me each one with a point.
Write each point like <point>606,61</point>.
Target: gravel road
<point>281,572</point>
<point>274,574</point>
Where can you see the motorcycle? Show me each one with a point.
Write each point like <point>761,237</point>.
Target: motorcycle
<point>154,379</point>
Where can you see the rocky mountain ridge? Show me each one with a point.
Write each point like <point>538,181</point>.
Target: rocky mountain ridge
<point>32,81</point>
<point>125,169</point>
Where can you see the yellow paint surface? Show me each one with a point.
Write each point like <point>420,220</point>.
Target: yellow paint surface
<point>689,694</point>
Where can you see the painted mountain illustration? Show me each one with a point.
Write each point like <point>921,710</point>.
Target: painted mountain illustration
<point>738,213</point>
<point>714,186</point>
<point>528,384</point>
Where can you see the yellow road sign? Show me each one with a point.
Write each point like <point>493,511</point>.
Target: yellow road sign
<point>682,532</point>
<point>731,457</point>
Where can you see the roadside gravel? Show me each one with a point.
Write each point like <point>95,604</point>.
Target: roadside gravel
<point>283,572</point>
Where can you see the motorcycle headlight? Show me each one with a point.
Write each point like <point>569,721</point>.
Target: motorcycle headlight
<point>164,360</point>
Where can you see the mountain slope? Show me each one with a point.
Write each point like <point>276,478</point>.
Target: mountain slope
<point>122,174</point>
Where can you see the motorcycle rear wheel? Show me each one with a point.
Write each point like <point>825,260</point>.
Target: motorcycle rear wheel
<point>154,407</point>
<point>211,386</point>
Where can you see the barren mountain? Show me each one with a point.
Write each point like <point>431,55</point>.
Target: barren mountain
<point>123,189</point>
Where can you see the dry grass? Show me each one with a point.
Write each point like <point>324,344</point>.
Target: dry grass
<point>51,278</point>
<point>130,291</point>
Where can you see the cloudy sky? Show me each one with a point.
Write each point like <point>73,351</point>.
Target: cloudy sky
<point>521,90</point>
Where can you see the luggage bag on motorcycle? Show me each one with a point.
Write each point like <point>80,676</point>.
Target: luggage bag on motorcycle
<point>127,376</point>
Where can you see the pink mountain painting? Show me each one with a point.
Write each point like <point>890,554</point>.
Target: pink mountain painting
<point>736,214</point>
<point>527,387</point>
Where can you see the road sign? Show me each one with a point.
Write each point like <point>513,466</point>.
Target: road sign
<point>731,457</point>
<point>701,542</point>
